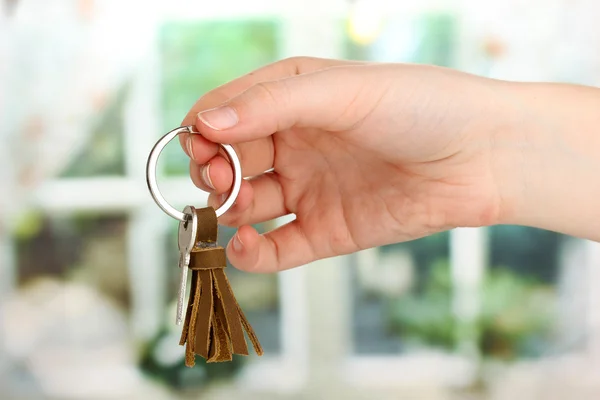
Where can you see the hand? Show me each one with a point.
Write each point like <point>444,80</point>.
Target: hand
<point>363,155</point>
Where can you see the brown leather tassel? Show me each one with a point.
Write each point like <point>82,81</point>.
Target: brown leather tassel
<point>214,322</point>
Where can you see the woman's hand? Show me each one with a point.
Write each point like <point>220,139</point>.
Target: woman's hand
<point>362,154</point>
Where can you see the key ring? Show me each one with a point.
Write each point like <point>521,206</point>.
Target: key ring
<point>153,185</point>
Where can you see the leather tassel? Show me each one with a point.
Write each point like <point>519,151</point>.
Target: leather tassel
<point>214,323</point>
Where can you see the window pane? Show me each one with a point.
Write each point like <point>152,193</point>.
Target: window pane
<point>103,153</point>
<point>84,248</point>
<point>199,56</point>
<point>401,298</point>
<point>531,253</point>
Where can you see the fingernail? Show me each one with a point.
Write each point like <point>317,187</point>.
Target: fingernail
<point>190,148</point>
<point>219,118</point>
<point>205,174</point>
<point>237,244</point>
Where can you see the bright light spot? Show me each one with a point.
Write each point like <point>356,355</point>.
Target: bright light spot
<point>365,23</point>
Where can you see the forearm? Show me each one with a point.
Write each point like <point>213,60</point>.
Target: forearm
<point>550,173</point>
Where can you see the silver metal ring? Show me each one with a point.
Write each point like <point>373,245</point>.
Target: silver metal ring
<point>153,185</point>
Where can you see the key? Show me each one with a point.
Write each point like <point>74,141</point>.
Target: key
<point>186,242</point>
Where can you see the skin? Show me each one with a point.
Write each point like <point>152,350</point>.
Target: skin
<point>370,154</point>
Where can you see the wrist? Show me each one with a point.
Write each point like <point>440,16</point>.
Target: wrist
<point>546,161</point>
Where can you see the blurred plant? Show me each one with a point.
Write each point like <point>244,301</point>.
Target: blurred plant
<point>516,315</point>
<point>515,319</point>
<point>163,360</point>
<point>426,317</point>
<point>28,225</point>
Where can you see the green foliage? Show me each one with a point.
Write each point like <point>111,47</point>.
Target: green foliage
<point>28,225</point>
<point>427,317</point>
<point>515,317</point>
<point>180,377</point>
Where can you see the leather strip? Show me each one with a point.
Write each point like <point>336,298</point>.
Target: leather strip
<point>208,259</point>
<point>204,313</point>
<point>208,228</point>
<point>231,313</point>
<point>214,323</point>
<point>221,349</point>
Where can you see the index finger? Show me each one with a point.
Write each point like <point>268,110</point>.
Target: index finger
<point>281,69</point>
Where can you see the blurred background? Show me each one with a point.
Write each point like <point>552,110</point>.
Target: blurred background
<point>88,263</point>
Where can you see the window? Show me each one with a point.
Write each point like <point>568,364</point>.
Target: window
<point>103,154</point>
<point>402,297</point>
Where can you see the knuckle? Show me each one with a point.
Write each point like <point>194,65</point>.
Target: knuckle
<point>297,61</point>
<point>275,96</point>
<point>268,91</point>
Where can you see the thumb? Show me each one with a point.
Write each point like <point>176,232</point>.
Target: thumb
<point>314,100</point>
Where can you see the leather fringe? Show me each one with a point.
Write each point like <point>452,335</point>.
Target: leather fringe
<point>215,323</point>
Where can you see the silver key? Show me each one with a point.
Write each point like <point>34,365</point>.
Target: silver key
<point>186,241</point>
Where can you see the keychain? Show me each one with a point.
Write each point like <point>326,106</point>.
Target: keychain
<point>214,322</point>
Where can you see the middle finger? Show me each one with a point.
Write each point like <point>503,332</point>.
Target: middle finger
<point>255,156</point>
